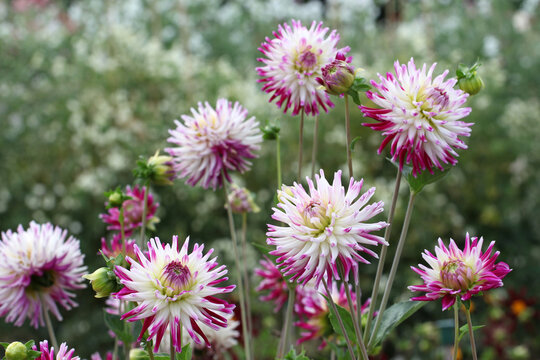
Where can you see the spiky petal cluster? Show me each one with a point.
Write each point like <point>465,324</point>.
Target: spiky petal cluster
<point>175,288</point>
<point>39,268</point>
<point>48,354</point>
<point>294,58</point>
<point>116,247</point>
<point>419,116</point>
<point>456,273</point>
<point>272,281</point>
<point>133,211</point>
<point>213,142</point>
<point>323,227</point>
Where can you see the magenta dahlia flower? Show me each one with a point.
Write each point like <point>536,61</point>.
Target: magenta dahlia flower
<point>294,58</point>
<point>116,247</point>
<point>39,268</point>
<point>133,210</point>
<point>213,142</point>
<point>419,116</point>
<point>273,282</point>
<point>322,227</point>
<point>174,288</point>
<point>455,273</point>
<point>48,354</point>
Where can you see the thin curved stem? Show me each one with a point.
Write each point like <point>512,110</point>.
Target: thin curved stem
<point>284,339</point>
<point>357,328</point>
<point>146,189</point>
<point>471,335</point>
<point>348,131</point>
<point>395,264</point>
<point>244,315</point>
<point>245,274</point>
<point>456,329</point>
<point>340,321</point>
<point>48,322</point>
<point>315,143</point>
<point>382,256</point>
<point>300,145</point>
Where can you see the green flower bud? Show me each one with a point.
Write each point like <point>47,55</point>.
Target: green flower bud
<point>468,79</point>
<point>104,282</point>
<point>270,132</point>
<point>16,351</point>
<point>138,354</point>
<point>162,172</point>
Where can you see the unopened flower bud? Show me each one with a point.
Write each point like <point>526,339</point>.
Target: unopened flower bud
<point>104,282</point>
<point>240,200</point>
<point>115,199</point>
<point>161,169</point>
<point>138,354</point>
<point>338,76</point>
<point>468,79</point>
<point>16,351</point>
<point>270,132</point>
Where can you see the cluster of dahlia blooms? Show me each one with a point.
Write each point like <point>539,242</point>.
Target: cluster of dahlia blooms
<point>456,273</point>
<point>324,228</point>
<point>175,289</point>
<point>213,142</point>
<point>133,211</point>
<point>39,269</point>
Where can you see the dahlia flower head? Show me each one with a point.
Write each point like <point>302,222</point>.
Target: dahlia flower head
<point>48,354</point>
<point>175,288</point>
<point>213,142</point>
<point>459,273</point>
<point>420,116</point>
<point>323,227</point>
<point>272,280</point>
<point>293,62</point>
<point>133,211</point>
<point>116,248</point>
<point>39,269</point>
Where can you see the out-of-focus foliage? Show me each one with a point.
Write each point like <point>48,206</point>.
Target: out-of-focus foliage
<point>88,86</point>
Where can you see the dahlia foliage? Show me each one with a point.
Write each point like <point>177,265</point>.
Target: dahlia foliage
<point>39,269</point>
<point>213,142</point>
<point>175,289</point>
<point>294,58</point>
<point>324,228</point>
<point>420,116</point>
<point>459,273</point>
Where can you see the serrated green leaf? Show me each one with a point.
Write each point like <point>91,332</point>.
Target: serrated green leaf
<point>118,327</point>
<point>392,317</point>
<point>293,356</point>
<point>345,317</point>
<point>465,330</point>
<point>185,354</point>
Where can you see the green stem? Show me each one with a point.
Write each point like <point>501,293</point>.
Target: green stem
<point>314,149</point>
<point>245,274</point>
<point>471,335</point>
<point>284,338</point>
<point>382,256</point>
<point>358,292</point>
<point>357,329</point>
<point>340,321</point>
<point>48,322</point>
<point>278,160</point>
<point>146,188</point>
<point>300,145</point>
<point>127,346</point>
<point>348,131</point>
<point>395,264</point>
<point>243,309</point>
<point>173,349</point>
<point>149,348</point>
<point>456,329</point>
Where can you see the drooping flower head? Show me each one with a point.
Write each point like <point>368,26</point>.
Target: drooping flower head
<point>322,227</point>
<point>175,288</point>
<point>213,142</point>
<point>39,268</point>
<point>133,211</point>
<point>48,354</point>
<point>419,116</point>
<point>294,58</point>
<point>456,273</point>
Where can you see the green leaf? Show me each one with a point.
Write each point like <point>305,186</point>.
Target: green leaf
<point>185,354</point>
<point>354,96</point>
<point>29,344</point>
<point>4,344</point>
<point>417,184</point>
<point>345,317</point>
<point>33,354</point>
<point>354,142</point>
<point>392,317</point>
<point>293,356</point>
<point>118,327</point>
<point>340,351</point>
<point>465,329</point>
<point>264,248</point>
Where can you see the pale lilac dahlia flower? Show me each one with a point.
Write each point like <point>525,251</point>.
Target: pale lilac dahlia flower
<point>460,273</point>
<point>213,142</point>
<point>174,288</point>
<point>133,211</point>
<point>323,227</point>
<point>39,268</point>
<point>48,354</point>
<point>294,58</point>
<point>419,116</point>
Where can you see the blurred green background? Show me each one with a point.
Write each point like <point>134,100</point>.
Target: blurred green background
<point>89,86</point>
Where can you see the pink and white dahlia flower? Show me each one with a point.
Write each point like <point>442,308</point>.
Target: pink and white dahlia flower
<point>294,58</point>
<point>174,288</point>
<point>460,273</point>
<point>48,354</point>
<point>213,142</point>
<point>133,211</point>
<point>272,281</point>
<point>323,227</point>
<point>39,268</point>
<point>419,116</point>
